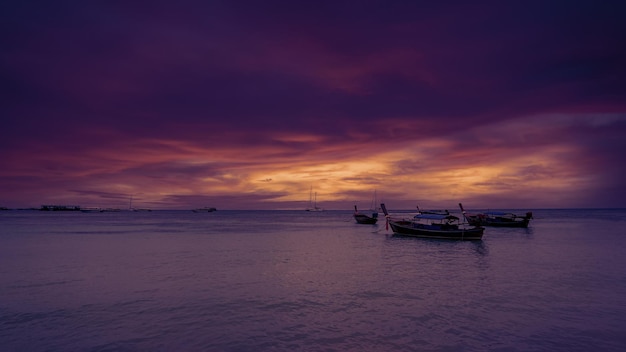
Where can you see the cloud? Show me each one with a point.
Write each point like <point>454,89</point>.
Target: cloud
<point>517,104</point>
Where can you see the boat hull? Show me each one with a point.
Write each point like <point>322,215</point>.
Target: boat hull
<point>409,228</point>
<point>364,219</point>
<point>522,224</point>
<point>476,221</point>
<point>204,210</point>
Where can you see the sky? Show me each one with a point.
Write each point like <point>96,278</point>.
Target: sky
<point>265,104</point>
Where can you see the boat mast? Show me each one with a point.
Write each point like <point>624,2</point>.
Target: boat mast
<point>374,206</point>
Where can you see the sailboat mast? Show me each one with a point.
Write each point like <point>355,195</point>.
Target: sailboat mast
<point>374,206</point>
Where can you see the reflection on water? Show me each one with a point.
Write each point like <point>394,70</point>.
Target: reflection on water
<point>264,280</point>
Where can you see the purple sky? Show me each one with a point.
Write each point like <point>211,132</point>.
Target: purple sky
<point>250,104</point>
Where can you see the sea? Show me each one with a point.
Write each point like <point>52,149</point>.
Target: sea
<point>307,281</point>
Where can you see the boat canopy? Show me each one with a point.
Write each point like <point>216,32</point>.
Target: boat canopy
<point>436,217</point>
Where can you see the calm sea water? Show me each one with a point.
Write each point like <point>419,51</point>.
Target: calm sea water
<point>298,281</point>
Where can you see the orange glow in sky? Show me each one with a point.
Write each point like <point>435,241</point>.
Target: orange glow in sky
<point>253,107</point>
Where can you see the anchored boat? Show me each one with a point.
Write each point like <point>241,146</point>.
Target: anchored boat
<point>497,218</point>
<point>365,219</point>
<point>440,226</point>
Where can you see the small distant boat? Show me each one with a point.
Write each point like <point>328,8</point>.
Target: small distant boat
<point>497,218</point>
<point>313,202</point>
<point>130,206</point>
<point>438,226</point>
<point>365,219</point>
<point>91,210</point>
<point>204,210</point>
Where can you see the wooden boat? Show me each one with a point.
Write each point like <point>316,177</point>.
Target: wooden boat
<point>204,210</point>
<point>497,218</point>
<point>432,211</point>
<point>365,219</point>
<point>439,226</point>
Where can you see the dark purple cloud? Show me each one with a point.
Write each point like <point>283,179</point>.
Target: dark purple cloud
<point>115,93</point>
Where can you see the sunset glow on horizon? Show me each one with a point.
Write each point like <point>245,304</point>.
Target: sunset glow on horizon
<point>245,105</point>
